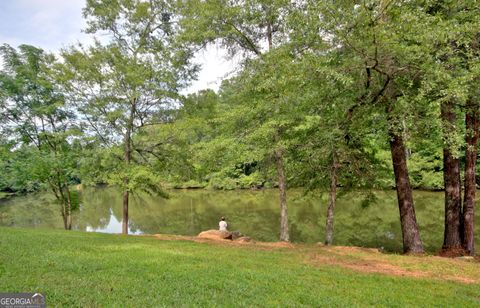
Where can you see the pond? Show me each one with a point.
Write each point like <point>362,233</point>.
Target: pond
<point>254,213</point>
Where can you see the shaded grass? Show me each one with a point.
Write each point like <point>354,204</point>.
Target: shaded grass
<point>86,269</point>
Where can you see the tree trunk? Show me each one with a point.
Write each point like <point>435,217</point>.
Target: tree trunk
<point>125,182</point>
<point>451,175</point>
<point>269,35</point>
<point>471,138</point>
<point>65,201</point>
<point>127,159</point>
<point>408,220</point>
<point>64,216</point>
<point>59,196</point>
<point>69,207</point>
<point>69,222</point>
<point>69,217</point>
<point>284,235</point>
<point>411,236</point>
<point>125,212</point>
<point>331,202</point>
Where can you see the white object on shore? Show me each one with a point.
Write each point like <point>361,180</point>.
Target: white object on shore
<point>222,225</point>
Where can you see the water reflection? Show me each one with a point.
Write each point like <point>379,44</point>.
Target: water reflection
<point>113,225</point>
<point>254,213</point>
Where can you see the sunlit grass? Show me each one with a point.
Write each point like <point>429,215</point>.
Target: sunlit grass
<point>85,269</point>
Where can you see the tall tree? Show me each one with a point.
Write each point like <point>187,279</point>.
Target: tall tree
<point>330,141</point>
<point>331,146</point>
<point>251,28</point>
<point>34,115</point>
<point>376,32</point>
<point>128,83</point>
<point>472,123</point>
<point>450,80</point>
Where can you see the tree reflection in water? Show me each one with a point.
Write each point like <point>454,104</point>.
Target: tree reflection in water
<point>254,213</point>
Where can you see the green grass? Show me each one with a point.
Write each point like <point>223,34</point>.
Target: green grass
<point>86,269</point>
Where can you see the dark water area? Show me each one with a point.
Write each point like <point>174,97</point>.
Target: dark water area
<point>254,213</point>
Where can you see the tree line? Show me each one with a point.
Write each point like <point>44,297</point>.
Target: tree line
<point>329,96</point>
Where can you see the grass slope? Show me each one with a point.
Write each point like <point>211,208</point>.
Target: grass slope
<point>86,269</point>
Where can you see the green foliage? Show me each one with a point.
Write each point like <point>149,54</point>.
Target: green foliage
<point>43,147</point>
<point>425,169</point>
<point>240,26</point>
<point>126,86</point>
<point>312,96</point>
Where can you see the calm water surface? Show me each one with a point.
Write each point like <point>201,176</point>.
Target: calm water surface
<point>254,213</point>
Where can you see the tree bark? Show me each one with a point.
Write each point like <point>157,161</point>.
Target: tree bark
<point>125,212</point>
<point>69,207</point>
<point>451,177</point>
<point>282,186</point>
<point>411,236</point>
<point>65,201</point>
<point>331,201</point>
<point>269,35</point>
<point>127,159</point>
<point>68,216</point>
<point>64,216</point>
<point>125,182</point>
<point>471,138</point>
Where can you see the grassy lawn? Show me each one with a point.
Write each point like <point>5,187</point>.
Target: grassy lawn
<point>87,269</point>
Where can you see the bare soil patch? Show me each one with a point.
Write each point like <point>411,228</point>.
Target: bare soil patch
<point>368,266</point>
<point>367,260</point>
<point>225,242</point>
